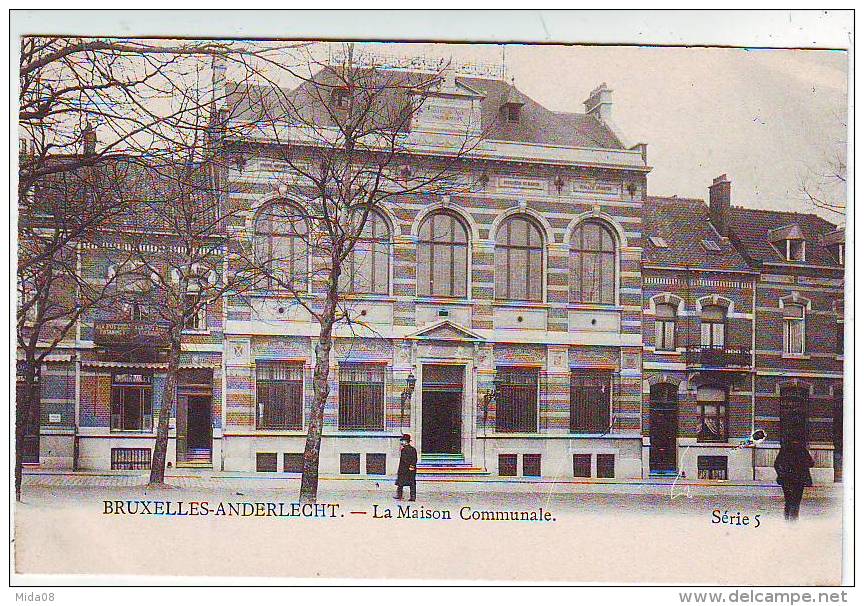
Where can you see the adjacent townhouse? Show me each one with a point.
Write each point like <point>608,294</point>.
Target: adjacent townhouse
<point>698,297</point>
<point>799,336</point>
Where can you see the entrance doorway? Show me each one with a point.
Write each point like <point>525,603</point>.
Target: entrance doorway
<point>441,425</point>
<point>195,417</point>
<point>664,428</point>
<point>199,432</point>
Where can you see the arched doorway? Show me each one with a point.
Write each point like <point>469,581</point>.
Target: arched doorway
<point>663,428</point>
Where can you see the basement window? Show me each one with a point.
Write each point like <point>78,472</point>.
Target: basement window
<point>513,112</point>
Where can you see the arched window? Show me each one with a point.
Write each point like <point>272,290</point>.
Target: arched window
<point>442,256</point>
<point>664,327</point>
<point>592,264</point>
<point>519,260</point>
<point>280,246</point>
<point>713,327</point>
<point>367,268</point>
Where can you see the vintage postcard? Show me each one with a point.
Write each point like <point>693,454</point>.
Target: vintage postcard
<point>307,308</point>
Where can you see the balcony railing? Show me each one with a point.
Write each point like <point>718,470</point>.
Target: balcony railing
<point>718,357</point>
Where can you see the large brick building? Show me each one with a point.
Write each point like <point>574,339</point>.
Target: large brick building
<point>554,321</point>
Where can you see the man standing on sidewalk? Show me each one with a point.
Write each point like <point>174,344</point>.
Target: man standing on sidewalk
<point>793,465</point>
<point>407,474</point>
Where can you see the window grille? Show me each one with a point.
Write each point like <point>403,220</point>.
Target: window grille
<point>582,465</point>
<point>349,463</point>
<point>130,458</point>
<point>590,401</point>
<point>279,394</point>
<point>531,465</point>
<point>361,396</point>
<point>507,464</point>
<point>265,461</point>
<point>516,399</point>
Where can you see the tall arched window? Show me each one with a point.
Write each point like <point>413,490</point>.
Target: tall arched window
<point>592,264</point>
<point>367,268</point>
<point>281,246</point>
<point>442,256</point>
<point>519,260</point>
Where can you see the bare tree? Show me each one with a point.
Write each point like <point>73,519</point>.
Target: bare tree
<point>343,140</point>
<point>824,185</point>
<point>150,105</point>
<point>61,216</point>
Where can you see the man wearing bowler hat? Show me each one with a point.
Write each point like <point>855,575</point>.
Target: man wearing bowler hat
<point>407,474</point>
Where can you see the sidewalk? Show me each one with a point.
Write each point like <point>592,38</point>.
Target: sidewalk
<point>210,480</point>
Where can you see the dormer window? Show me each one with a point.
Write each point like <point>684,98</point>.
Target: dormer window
<point>340,98</point>
<point>795,250</point>
<point>513,111</point>
<point>789,242</point>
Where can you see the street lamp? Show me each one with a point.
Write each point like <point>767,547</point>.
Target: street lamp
<point>406,395</point>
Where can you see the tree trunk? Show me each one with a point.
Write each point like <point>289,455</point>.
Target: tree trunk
<point>320,391</point>
<point>160,451</point>
<point>23,412</point>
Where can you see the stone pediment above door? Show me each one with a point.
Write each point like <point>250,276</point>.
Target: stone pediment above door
<point>446,331</point>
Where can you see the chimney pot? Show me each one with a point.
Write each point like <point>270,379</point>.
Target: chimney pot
<point>88,140</point>
<point>599,103</point>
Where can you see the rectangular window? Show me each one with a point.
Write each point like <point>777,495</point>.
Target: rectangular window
<point>590,401</point>
<point>195,319</point>
<point>279,393</point>
<point>132,402</point>
<point>349,463</point>
<point>712,414</point>
<point>605,465</point>
<point>664,335</point>
<point>581,465</point>
<point>795,250</point>
<point>793,329</point>
<point>265,461</point>
<point>712,468</point>
<point>376,464</point>
<point>531,465</point>
<point>507,464</point>
<point>361,396</point>
<point>130,458</point>
<point>516,399</point>
<point>292,462</point>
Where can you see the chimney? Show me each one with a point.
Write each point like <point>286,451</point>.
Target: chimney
<point>448,77</point>
<point>720,197</point>
<point>88,140</point>
<point>599,103</point>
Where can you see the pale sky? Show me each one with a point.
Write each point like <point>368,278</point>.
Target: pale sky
<point>763,117</point>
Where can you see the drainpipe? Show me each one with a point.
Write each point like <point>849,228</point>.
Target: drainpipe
<point>753,377</point>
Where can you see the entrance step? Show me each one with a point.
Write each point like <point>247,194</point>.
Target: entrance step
<point>663,474</point>
<point>447,465</point>
<point>197,457</point>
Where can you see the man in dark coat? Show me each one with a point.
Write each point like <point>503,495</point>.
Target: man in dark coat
<point>407,474</point>
<point>793,465</point>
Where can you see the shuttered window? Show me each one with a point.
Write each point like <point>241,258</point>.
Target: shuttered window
<point>713,326</point>
<point>361,396</point>
<point>793,329</point>
<point>590,401</point>
<point>516,399</point>
<point>279,392</point>
<point>664,327</point>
